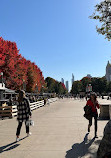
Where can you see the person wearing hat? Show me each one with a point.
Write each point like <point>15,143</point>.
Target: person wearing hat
<point>94,105</point>
<point>23,114</point>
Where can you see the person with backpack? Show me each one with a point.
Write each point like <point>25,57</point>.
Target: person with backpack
<point>93,104</point>
<point>23,114</point>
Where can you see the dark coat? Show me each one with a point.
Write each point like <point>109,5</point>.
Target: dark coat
<point>23,110</point>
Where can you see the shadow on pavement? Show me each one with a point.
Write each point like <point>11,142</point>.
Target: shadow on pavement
<point>79,150</point>
<point>10,146</point>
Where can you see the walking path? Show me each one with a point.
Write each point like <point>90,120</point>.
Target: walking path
<point>60,131</point>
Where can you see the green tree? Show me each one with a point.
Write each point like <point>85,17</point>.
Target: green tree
<point>109,86</point>
<point>54,86</point>
<point>85,81</point>
<point>103,14</point>
<point>99,84</point>
<point>59,88</point>
<point>50,84</point>
<point>76,87</point>
<point>94,84</point>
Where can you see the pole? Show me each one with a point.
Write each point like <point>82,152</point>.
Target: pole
<point>2,77</point>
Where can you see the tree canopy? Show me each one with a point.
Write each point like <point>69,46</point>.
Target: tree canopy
<point>54,86</point>
<point>98,85</point>
<point>103,14</point>
<point>17,70</point>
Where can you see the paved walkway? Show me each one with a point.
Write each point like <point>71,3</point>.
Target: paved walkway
<point>60,131</point>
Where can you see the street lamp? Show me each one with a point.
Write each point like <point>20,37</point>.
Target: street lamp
<point>2,77</point>
<point>36,88</point>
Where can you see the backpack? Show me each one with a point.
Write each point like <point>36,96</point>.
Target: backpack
<point>88,112</point>
<point>88,109</point>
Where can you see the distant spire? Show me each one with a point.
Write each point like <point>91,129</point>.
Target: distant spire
<point>108,71</point>
<point>72,78</point>
<point>108,64</point>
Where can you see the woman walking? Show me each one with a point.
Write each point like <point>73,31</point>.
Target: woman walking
<point>94,105</point>
<point>24,112</point>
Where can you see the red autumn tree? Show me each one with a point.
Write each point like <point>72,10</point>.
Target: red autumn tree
<point>35,78</point>
<point>17,70</point>
<point>9,58</point>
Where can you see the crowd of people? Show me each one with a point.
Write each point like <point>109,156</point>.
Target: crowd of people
<point>13,100</point>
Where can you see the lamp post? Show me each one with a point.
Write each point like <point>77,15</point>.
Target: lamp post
<point>1,91</point>
<point>36,88</point>
<point>2,77</point>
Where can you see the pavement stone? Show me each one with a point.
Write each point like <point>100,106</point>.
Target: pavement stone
<point>60,131</point>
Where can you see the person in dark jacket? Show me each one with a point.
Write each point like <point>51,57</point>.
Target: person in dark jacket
<point>44,101</point>
<point>23,114</point>
<point>94,105</point>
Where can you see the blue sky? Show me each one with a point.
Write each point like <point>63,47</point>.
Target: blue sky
<point>57,35</point>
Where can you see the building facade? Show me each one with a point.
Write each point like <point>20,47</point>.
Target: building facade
<point>62,80</point>
<point>89,76</point>
<point>72,79</point>
<point>108,71</point>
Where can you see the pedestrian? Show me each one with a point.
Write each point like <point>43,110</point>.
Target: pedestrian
<point>93,103</point>
<point>86,97</point>
<point>48,102</point>
<point>44,101</point>
<point>10,103</point>
<point>23,114</point>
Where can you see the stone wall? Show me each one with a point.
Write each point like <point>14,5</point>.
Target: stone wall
<point>105,145</point>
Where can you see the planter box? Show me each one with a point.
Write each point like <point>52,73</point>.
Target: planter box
<point>104,111</point>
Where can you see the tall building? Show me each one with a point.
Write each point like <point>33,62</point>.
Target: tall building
<point>108,72</point>
<point>62,80</point>
<point>72,78</point>
<point>89,76</point>
<point>67,85</point>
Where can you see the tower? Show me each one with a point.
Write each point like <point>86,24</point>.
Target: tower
<point>72,78</point>
<point>62,80</point>
<point>108,72</point>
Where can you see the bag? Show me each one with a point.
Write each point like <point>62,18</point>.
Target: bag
<point>88,117</point>
<point>30,123</point>
<point>88,112</point>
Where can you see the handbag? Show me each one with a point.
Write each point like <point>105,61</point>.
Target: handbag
<point>30,123</point>
<point>88,112</point>
<point>88,117</point>
<point>88,109</point>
